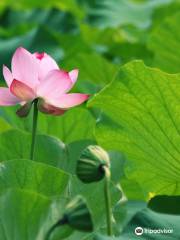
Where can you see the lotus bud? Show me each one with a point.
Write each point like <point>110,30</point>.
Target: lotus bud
<point>91,164</point>
<point>78,215</point>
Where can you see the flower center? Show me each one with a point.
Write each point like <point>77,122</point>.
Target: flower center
<point>39,55</point>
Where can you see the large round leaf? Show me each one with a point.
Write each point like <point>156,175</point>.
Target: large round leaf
<point>143,105</point>
<point>34,176</point>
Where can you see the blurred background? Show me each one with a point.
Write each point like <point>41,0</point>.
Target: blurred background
<point>96,36</point>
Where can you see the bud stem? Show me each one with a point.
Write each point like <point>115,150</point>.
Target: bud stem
<point>107,197</point>
<point>34,129</point>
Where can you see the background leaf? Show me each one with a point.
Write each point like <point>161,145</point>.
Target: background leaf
<point>76,124</point>
<point>149,220</point>
<point>49,150</point>
<point>19,210</point>
<point>165,204</point>
<point>92,68</point>
<point>115,13</point>
<point>167,53</point>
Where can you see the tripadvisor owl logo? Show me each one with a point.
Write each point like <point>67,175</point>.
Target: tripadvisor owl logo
<point>138,231</point>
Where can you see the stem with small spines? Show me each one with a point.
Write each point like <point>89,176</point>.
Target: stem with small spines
<point>34,128</point>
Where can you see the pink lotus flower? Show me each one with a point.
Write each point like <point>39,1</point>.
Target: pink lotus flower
<point>37,76</point>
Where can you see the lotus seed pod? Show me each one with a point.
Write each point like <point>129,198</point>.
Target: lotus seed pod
<point>90,164</point>
<point>78,215</point>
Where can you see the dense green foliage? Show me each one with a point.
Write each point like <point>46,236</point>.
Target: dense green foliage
<point>128,55</point>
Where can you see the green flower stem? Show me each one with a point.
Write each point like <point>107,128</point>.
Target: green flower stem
<point>61,222</point>
<point>34,129</point>
<point>108,200</point>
